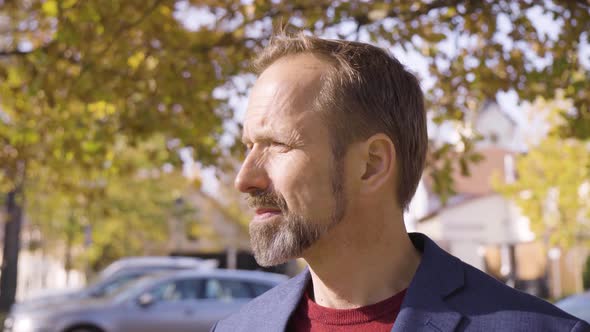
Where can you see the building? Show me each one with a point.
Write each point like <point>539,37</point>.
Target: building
<point>486,230</point>
<point>38,272</point>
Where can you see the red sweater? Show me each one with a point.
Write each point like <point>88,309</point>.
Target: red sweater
<point>311,317</point>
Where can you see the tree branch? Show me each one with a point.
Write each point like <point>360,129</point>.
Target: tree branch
<point>5,54</point>
<point>9,53</point>
<point>424,9</point>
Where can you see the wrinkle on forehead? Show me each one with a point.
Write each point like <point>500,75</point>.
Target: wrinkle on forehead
<point>287,89</point>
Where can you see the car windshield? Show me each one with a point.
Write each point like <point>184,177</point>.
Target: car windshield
<point>112,274</point>
<point>113,285</point>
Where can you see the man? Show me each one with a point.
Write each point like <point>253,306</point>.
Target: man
<point>336,134</point>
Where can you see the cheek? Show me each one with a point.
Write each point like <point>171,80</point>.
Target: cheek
<point>306,183</point>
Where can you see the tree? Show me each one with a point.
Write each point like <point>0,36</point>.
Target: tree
<point>139,58</point>
<point>553,189</point>
<point>553,184</point>
<point>79,75</point>
<point>88,79</point>
<point>108,205</point>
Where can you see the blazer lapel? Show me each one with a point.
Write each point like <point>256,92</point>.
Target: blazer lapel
<point>279,314</point>
<point>439,274</point>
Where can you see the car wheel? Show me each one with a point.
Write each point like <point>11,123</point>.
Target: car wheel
<point>84,329</point>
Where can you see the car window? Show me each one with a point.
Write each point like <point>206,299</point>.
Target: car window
<point>132,288</point>
<point>112,286</point>
<point>176,290</point>
<point>226,289</point>
<point>260,289</point>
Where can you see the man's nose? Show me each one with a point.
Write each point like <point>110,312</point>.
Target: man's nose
<point>252,176</point>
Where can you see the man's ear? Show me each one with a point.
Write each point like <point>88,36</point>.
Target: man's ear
<point>379,163</point>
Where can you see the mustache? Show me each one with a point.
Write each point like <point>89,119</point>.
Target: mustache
<point>267,199</point>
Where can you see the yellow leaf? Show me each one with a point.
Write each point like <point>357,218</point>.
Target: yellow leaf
<point>14,77</point>
<point>165,10</point>
<point>151,62</point>
<point>101,109</point>
<point>249,10</point>
<point>377,14</point>
<point>49,8</point>
<point>69,3</point>
<point>135,60</point>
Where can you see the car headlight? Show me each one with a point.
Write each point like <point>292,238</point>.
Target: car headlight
<point>23,324</point>
<point>8,322</point>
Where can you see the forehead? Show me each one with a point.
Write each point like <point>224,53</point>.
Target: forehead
<point>284,94</point>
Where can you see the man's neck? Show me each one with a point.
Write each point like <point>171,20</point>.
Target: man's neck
<point>361,262</point>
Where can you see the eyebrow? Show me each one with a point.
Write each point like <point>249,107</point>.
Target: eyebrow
<point>259,138</point>
<point>292,138</point>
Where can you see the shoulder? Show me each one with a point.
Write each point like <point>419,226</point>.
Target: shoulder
<point>484,303</point>
<point>485,300</point>
<point>268,311</point>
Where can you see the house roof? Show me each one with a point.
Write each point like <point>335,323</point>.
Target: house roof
<point>465,200</point>
<point>481,173</point>
<point>490,104</point>
<point>478,185</point>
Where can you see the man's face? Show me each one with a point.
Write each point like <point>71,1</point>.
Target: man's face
<point>294,184</point>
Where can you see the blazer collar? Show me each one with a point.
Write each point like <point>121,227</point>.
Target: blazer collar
<point>439,275</point>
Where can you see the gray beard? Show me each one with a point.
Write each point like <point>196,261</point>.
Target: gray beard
<point>277,241</point>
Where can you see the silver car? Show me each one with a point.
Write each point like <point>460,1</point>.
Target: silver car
<point>577,305</point>
<point>114,276</point>
<point>170,301</point>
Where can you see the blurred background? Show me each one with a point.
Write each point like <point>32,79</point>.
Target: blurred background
<point>119,126</point>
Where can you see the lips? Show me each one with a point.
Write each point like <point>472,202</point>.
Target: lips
<point>261,211</point>
<point>266,214</point>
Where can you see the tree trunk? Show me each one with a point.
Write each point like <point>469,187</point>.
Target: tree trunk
<point>68,256</point>
<point>12,229</point>
<point>578,266</point>
<point>12,233</point>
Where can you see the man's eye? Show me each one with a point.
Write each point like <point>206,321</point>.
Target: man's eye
<point>281,146</point>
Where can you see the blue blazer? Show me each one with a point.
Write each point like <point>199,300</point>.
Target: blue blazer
<point>445,294</point>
